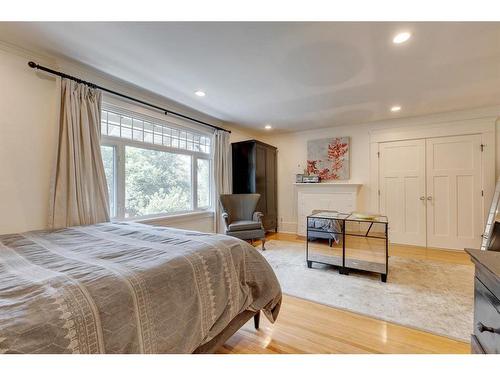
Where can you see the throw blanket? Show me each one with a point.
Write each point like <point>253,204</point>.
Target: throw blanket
<point>126,288</point>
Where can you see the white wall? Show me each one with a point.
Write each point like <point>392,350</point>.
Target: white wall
<point>292,152</point>
<point>29,105</point>
<point>28,118</point>
<point>28,133</point>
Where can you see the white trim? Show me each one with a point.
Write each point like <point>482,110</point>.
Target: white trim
<point>175,218</point>
<point>433,130</point>
<point>110,140</point>
<point>326,184</point>
<point>373,187</point>
<point>24,53</point>
<point>131,109</point>
<point>287,227</point>
<point>488,171</point>
<point>287,232</point>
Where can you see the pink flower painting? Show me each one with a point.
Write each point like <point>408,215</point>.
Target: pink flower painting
<point>329,158</point>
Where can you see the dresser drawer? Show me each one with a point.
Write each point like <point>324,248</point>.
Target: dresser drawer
<point>486,317</point>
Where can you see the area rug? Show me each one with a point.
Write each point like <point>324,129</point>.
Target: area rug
<point>428,295</point>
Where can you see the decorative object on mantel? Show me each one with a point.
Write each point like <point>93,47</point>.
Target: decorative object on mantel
<point>306,177</point>
<point>329,158</point>
<point>310,179</point>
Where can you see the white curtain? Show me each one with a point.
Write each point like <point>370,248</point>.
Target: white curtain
<point>222,173</point>
<point>79,194</point>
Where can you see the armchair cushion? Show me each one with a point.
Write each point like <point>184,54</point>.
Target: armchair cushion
<point>244,225</point>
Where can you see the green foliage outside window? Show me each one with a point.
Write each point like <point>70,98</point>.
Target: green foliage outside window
<point>156,182</point>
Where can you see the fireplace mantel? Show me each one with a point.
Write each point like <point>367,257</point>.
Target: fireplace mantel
<point>326,184</point>
<point>339,196</point>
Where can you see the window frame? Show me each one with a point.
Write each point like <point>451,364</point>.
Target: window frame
<point>119,145</point>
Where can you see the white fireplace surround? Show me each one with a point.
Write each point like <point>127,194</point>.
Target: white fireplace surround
<point>338,196</point>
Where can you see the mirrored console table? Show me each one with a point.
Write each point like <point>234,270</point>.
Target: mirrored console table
<point>354,242</point>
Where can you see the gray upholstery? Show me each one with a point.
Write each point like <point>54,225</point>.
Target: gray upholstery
<point>240,218</point>
<point>243,225</point>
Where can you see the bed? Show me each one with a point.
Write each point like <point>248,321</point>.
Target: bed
<point>129,288</point>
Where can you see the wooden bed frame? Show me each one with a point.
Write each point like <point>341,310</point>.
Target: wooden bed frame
<point>235,324</point>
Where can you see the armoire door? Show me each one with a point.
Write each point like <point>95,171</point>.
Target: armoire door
<point>402,190</point>
<point>454,192</point>
<point>271,190</point>
<point>260,178</point>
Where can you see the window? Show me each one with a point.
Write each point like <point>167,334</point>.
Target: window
<point>153,168</point>
<point>203,181</point>
<point>156,182</point>
<point>108,159</point>
<point>128,128</point>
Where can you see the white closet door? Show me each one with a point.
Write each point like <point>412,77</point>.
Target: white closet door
<point>454,192</point>
<point>402,190</point>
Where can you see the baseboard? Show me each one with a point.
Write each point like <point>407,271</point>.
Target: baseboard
<point>287,227</point>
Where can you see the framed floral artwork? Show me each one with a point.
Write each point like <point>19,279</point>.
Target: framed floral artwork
<point>329,158</point>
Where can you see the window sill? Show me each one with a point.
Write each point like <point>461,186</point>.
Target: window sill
<point>176,218</point>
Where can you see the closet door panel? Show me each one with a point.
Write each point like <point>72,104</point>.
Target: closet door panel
<point>402,186</point>
<point>454,218</point>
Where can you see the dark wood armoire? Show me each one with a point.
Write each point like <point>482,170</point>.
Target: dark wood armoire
<point>255,171</point>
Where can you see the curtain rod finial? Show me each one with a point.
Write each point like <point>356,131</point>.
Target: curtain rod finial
<point>32,64</point>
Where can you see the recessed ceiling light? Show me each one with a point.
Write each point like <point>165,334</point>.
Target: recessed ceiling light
<point>401,37</point>
<point>268,127</point>
<point>396,108</point>
<point>199,93</point>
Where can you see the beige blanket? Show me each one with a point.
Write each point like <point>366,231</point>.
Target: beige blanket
<point>126,288</point>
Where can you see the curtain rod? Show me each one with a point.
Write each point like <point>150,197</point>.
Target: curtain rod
<point>167,112</point>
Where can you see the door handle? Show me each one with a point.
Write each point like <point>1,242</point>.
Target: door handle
<point>422,198</point>
<point>429,198</point>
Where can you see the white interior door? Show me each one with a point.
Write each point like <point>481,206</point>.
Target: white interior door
<point>402,190</point>
<point>454,194</point>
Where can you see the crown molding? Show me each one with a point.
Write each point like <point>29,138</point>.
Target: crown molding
<point>88,73</point>
<point>42,58</point>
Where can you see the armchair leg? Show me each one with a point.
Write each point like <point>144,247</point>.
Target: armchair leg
<point>256,320</point>
<point>263,244</point>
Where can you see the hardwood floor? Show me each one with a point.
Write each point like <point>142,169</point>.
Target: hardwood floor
<point>405,251</point>
<point>308,327</point>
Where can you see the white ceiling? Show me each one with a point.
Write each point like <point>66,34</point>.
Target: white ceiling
<point>292,75</point>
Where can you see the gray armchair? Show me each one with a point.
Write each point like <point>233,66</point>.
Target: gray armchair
<point>241,219</point>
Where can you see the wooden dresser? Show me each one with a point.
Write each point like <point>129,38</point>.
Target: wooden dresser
<point>255,171</point>
<point>486,335</point>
